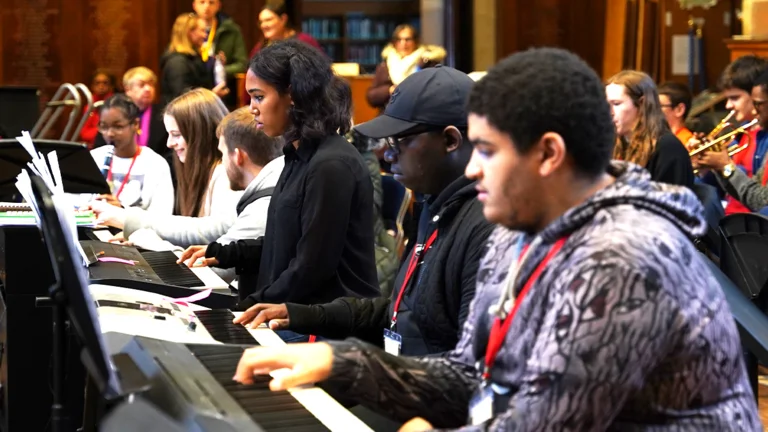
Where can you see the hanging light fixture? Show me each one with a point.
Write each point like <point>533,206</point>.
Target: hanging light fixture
<point>690,4</point>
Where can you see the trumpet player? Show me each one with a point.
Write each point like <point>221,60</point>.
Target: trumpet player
<point>748,191</point>
<point>737,83</point>
<point>642,133</point>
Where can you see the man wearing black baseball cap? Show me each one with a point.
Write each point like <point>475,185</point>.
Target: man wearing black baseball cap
<point>425,129</point>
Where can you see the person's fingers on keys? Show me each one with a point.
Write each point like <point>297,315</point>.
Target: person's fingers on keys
<point>279,324</point>
<point>205,262</point>
<point>259,360</point>
<point>249,314</point>
<point>269,312</point>
<point>312,363</point>
<point>186,254</point>
<point>200,253</point>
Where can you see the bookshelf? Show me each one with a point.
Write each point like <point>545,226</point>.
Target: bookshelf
<point>357,31</point>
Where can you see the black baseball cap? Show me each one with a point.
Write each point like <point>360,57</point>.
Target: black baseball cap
<point>435,96</point>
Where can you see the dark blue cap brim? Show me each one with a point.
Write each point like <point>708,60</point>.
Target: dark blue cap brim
<point>384,126</point>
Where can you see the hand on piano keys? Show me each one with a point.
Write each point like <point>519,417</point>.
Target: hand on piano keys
<point>107,214</point>
<point>194,256</point>
<point>291,365</point>
<point>274,315</point>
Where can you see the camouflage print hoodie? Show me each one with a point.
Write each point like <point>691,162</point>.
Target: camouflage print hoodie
<point>625,329</point>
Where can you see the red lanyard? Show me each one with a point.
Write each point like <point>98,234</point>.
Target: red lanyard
<point>418,252</point>
<point>500,329</point>
<point>127,175</point>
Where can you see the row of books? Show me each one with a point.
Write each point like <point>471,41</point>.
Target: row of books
<point>358,27</point>
<point>369,54</point>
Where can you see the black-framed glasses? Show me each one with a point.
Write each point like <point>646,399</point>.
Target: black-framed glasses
<point>394,142</point>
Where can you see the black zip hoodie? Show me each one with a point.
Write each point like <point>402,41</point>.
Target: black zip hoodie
<point>436,302</point>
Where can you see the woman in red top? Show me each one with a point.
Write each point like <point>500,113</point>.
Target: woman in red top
<point>276,24</point>
<point>102,87</point>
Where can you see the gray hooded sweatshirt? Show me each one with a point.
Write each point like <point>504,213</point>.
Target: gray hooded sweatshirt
<point>625,329</point>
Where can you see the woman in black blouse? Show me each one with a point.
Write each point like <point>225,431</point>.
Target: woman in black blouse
<point>318,244</point>
<point>643,135</point>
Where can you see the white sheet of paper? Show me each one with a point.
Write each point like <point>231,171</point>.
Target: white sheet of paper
<point>680,53</point>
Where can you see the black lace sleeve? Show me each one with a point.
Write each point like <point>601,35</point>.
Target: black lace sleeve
<point>437,389</point>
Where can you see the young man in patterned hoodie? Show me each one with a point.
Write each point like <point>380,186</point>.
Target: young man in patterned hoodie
<point>593,310</point>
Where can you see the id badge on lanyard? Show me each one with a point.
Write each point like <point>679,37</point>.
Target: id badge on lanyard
<point>481,407</point>
<point>393,341</point>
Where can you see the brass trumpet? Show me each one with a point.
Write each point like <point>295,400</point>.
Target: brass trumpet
<point>716,144</point>
<point>720,126</point>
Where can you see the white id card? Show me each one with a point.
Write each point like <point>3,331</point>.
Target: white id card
<point>392,342</point>
<point>481,405</point>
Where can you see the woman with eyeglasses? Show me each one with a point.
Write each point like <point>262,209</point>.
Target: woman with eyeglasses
<point>138,177</point>
<point>402,57</point>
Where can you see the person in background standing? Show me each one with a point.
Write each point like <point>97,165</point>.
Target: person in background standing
<point>223,51</point>
<point>102,87</point>
<point>277,24</point>
<point>404,56</point>
<point>182,67</point>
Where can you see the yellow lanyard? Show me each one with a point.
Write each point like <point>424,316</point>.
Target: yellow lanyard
<point>206,48</point>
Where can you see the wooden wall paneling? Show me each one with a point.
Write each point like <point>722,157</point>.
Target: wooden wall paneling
<point>105,37</point>
<point>715,32</point>
<point>507,41</point>
<point>579,33</point>
<point>615,36</point>
<point>522,24</point>
<point>629,58</point>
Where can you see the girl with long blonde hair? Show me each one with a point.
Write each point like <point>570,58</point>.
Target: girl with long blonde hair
<point>182,67</point>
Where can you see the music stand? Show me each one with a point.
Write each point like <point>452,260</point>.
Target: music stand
<point>79,172</point>
<point>70,294</point>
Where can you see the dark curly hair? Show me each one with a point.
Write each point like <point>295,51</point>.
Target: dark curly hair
<point>321,100</point>
<point>549,90</point>
<point>742,73</point>
<point>762,80</point>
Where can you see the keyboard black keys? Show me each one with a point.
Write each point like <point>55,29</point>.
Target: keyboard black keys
<point>272,411</point>
<point>165,266</point>
<point>218,322</point>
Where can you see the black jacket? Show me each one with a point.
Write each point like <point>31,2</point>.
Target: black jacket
<point>670,162</point>
<point>318,244</point>
<point>436,303</point>
<point>181,73</point>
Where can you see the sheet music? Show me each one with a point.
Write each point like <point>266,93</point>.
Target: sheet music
<point>66,213</point>
<point>71,240</point>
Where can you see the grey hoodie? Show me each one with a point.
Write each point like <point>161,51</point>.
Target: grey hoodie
<point>625,329</point>
<point>185,231</point>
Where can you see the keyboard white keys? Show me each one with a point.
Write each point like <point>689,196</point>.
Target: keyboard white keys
<point>118,313</point>
<point>325,408</point>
